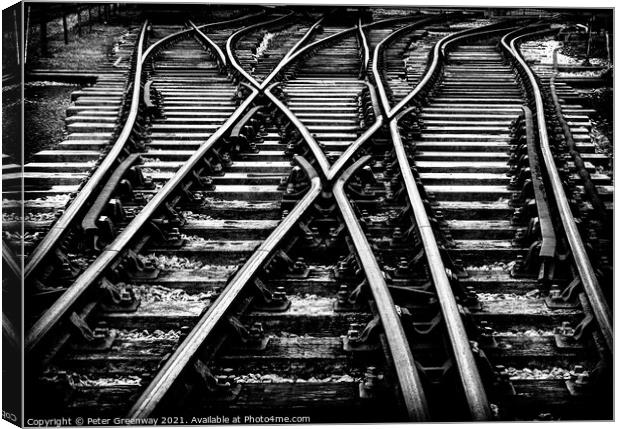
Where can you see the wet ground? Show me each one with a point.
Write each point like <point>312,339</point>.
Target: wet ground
<point>45,105</point>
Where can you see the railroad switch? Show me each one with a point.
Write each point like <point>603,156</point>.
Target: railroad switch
<point>119,298</point>
<point>362,339</point>
<point>267,300</point>
<point>101,338</point>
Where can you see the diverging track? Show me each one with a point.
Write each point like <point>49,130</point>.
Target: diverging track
<point>309,234</point>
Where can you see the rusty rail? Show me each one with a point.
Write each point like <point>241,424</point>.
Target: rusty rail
<point>587,275</point>
<point>155,392</point>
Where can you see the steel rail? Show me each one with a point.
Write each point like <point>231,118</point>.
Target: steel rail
<point>9,259</point>
<point>157,389</point>
<point>305,37</point>
<point>8,328</point>
<point>329,172</point>
<point>9,332</point>
<point>60,307</point>
<point>90,188</point>
<point>468,372</point>
<point>100,174</point>
<point>234,36</point>
<point>549,241</point>
<point>588,185</point>
<point>405,366</point>
<point>212,44</point>
<point>149,400</point>
<point>316,150</point>
<point>587,275</point>
<point>326,172</point>
<point>168,38</point>
<point>437,54</point>
<point>344,158</point>
<point>366,49</point>
<point>385,103</point>
<point>305,49</point>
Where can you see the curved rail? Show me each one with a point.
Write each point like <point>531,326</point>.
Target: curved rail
<point>60,307</point>
<point>471,381</point>
<point>464,358</point>
<point>90,188</point>
<point>326,172</point>
<point>155,392</point>
<point>168,38</point>
<point>320,157</point>
<point>385,104</point>
<point>220,55</point>
<point>587,275</point>
<point>437,54</point>
<point>405,366</point>
<point>305,37</point>
<point>288,59</point>
<point>548,245</point>
<point>365,48</point>
<point>588,185</point>
<point>233,37</point>
<point>100,174</point>
<point>344,158</point>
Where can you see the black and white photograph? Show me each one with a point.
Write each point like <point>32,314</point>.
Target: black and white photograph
<point>220,213</point>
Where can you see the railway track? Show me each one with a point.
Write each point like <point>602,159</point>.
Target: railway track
<point>307,228</point>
